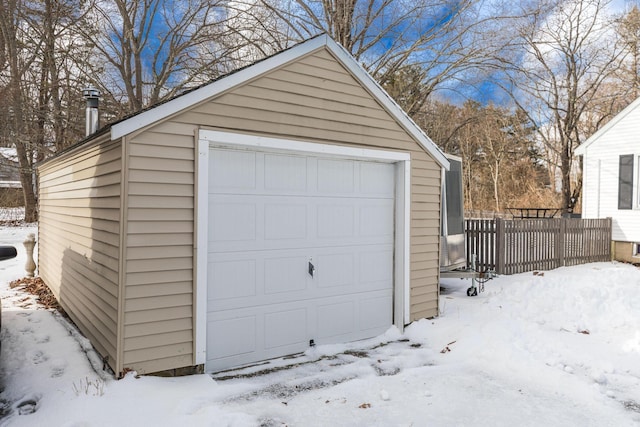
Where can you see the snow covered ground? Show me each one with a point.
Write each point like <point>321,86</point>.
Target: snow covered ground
<point>560,348</point>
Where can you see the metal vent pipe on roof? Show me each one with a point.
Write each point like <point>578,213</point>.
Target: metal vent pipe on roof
<point>92,124</point>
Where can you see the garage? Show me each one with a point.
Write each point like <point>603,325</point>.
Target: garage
<point>288,204</point>
<point>300,250</point>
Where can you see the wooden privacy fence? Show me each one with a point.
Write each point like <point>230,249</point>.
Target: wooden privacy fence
<point>520,245</point>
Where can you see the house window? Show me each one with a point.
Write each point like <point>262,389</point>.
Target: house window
<point>636,249</point>
<point>625,182</point>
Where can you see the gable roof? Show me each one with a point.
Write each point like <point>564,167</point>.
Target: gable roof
<point>580,149</point>
<point>173,106</point>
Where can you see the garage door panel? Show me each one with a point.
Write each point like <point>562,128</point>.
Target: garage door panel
<point>335,270</point>
<point>283,173</point>
<point>335,320</point>
<point>336,221</point>
<point>232,170</point>
<point>285,221</point>
<point>256,223</point>
<point>272,277</point>
<point>241,279</point>
<point>232,337</point>
<point>376,219</point>
<point>286,328</point>
<point>232,279</point>
<point>272,330</point>
<point>376,267</point>
<point>335,176</point>
<point>377,179</point>
<point>291,210</point>
<point>374,314</point>
<point>258,333</point>
<point>232,221</point>
<point>285,274</point>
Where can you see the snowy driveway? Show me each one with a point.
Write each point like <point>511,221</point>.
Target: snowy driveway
<point>559,349</point>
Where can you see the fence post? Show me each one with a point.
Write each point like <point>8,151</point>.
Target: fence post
<point>500,245</point>
<point>561,240</point>
<point>609,238</point>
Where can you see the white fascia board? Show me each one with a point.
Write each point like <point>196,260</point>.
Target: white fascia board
<point>389,104</point>
<point>225,83</point>
<point>582,148</point>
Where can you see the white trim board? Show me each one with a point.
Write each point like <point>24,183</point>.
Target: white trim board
<point>210,138</point>
<point>202,230</point>
<point>237,140</point>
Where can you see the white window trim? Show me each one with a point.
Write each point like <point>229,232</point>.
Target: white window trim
<point>402,250</point>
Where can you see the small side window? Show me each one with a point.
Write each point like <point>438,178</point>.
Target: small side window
<point>625,182</point>
<point>636,250</point>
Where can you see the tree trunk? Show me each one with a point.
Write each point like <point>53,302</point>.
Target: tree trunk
<point>8,17</point>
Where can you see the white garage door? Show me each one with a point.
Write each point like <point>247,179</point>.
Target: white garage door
<point>300,249</point>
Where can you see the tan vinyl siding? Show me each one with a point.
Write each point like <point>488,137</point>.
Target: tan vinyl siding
<point>158,318</point>
<point>78,252</point>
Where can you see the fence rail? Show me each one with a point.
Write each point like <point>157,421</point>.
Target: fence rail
<point>520,245</point>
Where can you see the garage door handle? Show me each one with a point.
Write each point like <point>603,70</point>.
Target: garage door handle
<point>312,269</point>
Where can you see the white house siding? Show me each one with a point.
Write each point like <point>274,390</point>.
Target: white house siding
<point>313,99</point>
<point>78,236</point>
<point>600,177</point>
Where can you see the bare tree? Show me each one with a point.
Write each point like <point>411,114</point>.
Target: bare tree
<point>38,87</point>
<point>628,29</point>
<point>623,87</point>
<point>154,49</point>
<point>257,31</point>
<point>62,56</point>
<point>17,63</point>
<point>569,54</point>
<point>501,164</point>
<point>445,39</point>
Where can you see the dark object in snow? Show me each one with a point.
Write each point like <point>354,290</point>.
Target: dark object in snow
<point>7,252</point>
<point>27,407</point>
<point>446,349</point>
